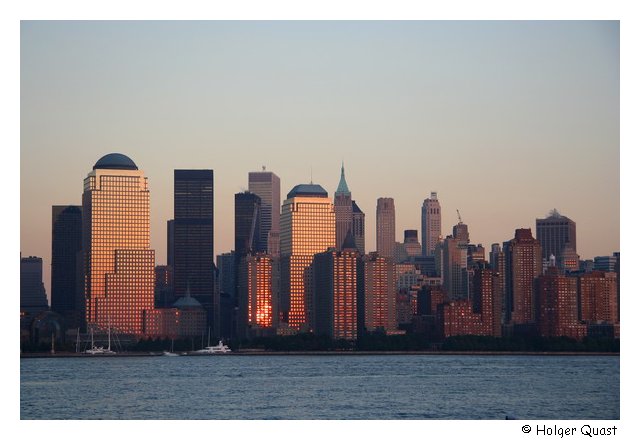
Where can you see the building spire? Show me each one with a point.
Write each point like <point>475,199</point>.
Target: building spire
<point>343,189</point>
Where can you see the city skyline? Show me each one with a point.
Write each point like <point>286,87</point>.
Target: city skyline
<point>496,144</point>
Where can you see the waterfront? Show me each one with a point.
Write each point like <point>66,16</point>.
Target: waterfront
<point>321,387</point>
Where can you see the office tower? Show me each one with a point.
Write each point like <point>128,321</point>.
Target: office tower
<point>497,262</point>
<point>33,298</point>
<point>344,210</point>
<point>193,237</point>
<point>170,242</point>
<point>411,244</point>
<point>66,257</point>
<point>247,224</point>
<point>569,260</point>
<point>455,278</point>
<point>461,232</point>
<point>257,307</point>
<point>431,224</point>
<point>338,292</point>
<point>358,226</point>
<point>597,292</point>
<point>307,227</point>
<point>554,232</point>
<point>385,227</point>
<point>266,185</point>
<point>119,265</point>
<point>557,305</point>
<point>605,263</point>
<point>475,254</point>
<point>487,298</point>
<point>226,264</point>
<point>523,264</point>
<point>380,293</point>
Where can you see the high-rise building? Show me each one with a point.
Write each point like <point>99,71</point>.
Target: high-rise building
<point>554,233</point>
<point>557,305</point>
<point>247,224</point>
<point>344,210</point>
<point>338,292</point>
<point>119,264</point>
<point>523,264</point>
<point>66,257</point>
<point>605,263</point>
<point>411,244</point>
<point>385,227</point>
<point>380,293</point>
<point>307,227</point>
<point>170,244</point>
<point>431,224</point>
<point>598,293</point>
<point>33,298</point>
<point>455,277</point>
<point>497,262</point>
<point>358,227</point>
<point>257,304</point>
<point>226,264</point>
<point>266,185</point>
<point>193,266</point>
<point>164,287</point>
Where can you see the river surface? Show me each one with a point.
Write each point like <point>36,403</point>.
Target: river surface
<point>466,387</point>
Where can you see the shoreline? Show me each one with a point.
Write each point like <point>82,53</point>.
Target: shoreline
<point>327,353</point>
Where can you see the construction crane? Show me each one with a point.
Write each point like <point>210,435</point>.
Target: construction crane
<point>459,218</point>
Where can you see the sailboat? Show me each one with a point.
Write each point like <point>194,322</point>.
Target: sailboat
<point>170,353</point>
<point>100,349</point>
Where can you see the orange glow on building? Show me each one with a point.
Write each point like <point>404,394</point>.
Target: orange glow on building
<point>380,293</point>
<point>307,227</point>
<point>119,266</point>
<point>256,297</point>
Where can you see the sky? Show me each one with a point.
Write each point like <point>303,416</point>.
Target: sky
<point>505,120</point>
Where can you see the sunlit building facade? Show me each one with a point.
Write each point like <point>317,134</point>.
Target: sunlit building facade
<point>256,296</point>
<point>431,224</point>
<point>307,227</point>
<point>119,264</point>
<point>338,292</point>
<point>380,293</point>
<point>344,210</point>
<point>385,227</point>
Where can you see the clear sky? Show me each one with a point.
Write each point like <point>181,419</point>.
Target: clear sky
<point>505,120</point>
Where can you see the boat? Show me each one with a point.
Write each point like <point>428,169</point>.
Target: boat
<point>170,353</point>
<point>214,349</point>
<point>100,349</point>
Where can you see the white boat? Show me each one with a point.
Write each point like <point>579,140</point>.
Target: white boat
<point>100,349</point>
<point>215,349</point>
<point>169,353</point>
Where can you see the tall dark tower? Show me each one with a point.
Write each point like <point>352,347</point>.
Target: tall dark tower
<point>555,233</point>
<point>266,185</point>
<point>247,223</point>
<point>193,237</point>
<point>66,246</point>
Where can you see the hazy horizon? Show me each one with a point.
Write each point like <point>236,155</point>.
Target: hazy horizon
<point>505,120</point>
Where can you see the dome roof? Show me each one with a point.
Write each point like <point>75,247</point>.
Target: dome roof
<point>115,161</point>
<point>308,190</point>
<point>187,302</point>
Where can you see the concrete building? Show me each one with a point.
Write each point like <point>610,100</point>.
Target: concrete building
<point>597,292</point>
<point>557,305</point>
<point>380,293</point>
<point>266,185</point>
<point>411,244</point>
<point>119,264</point>
<point>385,227</point>
<point>431,224</point>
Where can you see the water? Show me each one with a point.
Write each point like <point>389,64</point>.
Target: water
<point>321,387</point>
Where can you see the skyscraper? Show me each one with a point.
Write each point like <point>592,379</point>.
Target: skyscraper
<point>455,277</point>
<point>380,293</point>
<point>411,243</point>
<point>431,224</point>
<point>33,298</point>
<point>66,257</point>
<point>385,227</point>
<point>555,233</point>
<point>523,264</point>
<point>257,306</point>
<point>266,185</point>
<point>247,224</point>
<point>193,237</point>
<point>344,210</point>
<point>557,305</point>
<point>227,289</point>
<point>307,227</point>
<point>358,226</point>
<point>119,265</point>
<point>338,292</point>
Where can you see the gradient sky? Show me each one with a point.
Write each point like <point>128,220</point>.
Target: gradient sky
<point>505,120</point>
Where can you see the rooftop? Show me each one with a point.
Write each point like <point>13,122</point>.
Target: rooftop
<point>115,161</point>
<point>308,190</point>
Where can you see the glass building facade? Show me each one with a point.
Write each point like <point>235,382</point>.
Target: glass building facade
<point>66,245</point>
<point>119,264</point>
